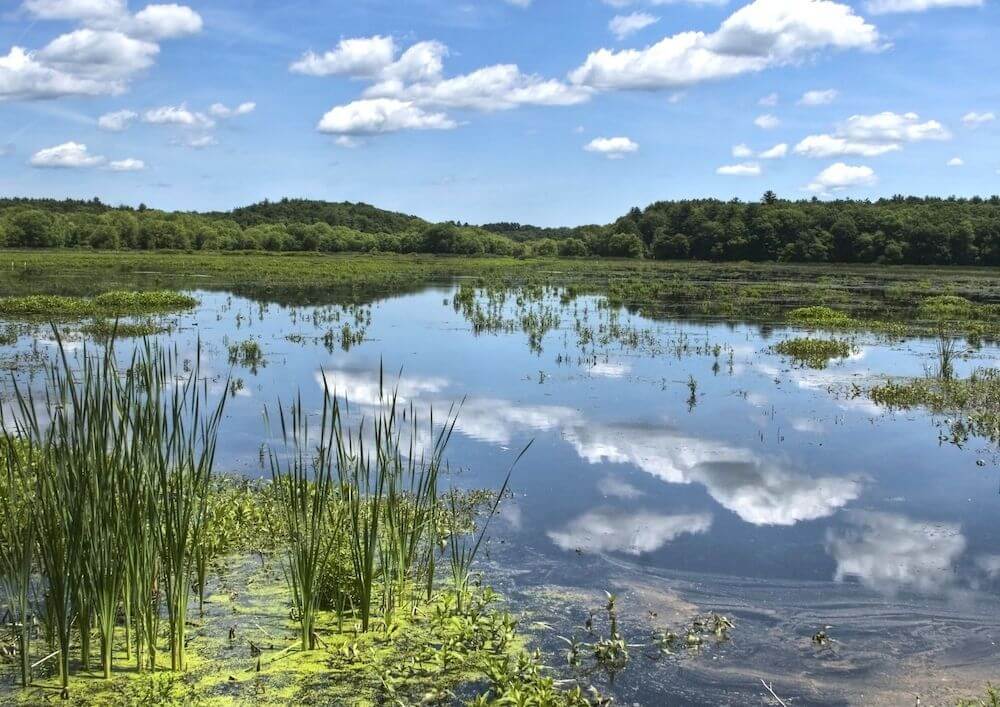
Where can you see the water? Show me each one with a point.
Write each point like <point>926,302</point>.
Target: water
<point>680,464</point>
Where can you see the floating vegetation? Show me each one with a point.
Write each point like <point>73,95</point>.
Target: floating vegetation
<point>247,354</point>
<point>113,329</point>
<point>814,353</point>
<point>117,302</point>
<point>972,404</point>
<point>820,316</point>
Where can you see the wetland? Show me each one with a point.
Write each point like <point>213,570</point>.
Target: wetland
<point>653,483</point>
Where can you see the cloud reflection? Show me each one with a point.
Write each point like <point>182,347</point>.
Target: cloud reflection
<point>631,532</point>
<point>890,553</point>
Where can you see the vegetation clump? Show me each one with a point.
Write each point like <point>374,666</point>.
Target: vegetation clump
<point>114,329</point>
<point>117,302</point>
<point>973,402</point>
<point>820,316</point>
<point>814,353</point>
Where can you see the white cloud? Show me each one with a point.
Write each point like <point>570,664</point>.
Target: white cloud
<point>165,22</point>
<point>69,155</point>
<point>75,9</point>
<point>774,153</point>
<point>519,3</point>
<point>882,7</point>
<point>359,57</point>
<point>498,87</point>
<point>100,57</point>
<point>769,100</point>
<point>741,151</point>
<point>201,142</point>
<point>766,121</point>
<point>818,97</point>
<point>177,115</point>
<point>839,176</point>
<point>956,162</point>
<point>220,110</point>
<point>630,532</point>
<point>744,169</point>
<point>129,164</point>
<point>832,146</point>
<point>763,34</point>
<point>974,118</point>
<point>624,25</point>
<point>872,135</point>
<point>117,121</point>
<point>614,148</point>
<point>381,115</point>
<point>890,553</point>
<point>893,127</point>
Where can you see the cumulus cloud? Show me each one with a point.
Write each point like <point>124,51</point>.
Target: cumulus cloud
<point>872,135</point>
<point>840,176</point>
<point>220,110</point>
<point>129,164</point>
<point>623,26</point>
<point>974,118</point>
<point>118,121</point>
<point>741,151</point>
<point>766,121</point>
<point>743,169</point>
<point>891,553</point>
<point>69,155</point>
<point>832,146</point>
<point>358,58</point>
<point>99,57</point>
<point>375,116</point>
<point>614,148</point>
<point>201,142</point>
<point>769,100</point>
<point>956,162</point>
<point>763,34</point>
<point>774,153</point>
<point>818,97</point>
<point>416,78</point>
<point>882,7</point>
<point>75,9</point>
<point>177,115</point>
<point>630,532</point>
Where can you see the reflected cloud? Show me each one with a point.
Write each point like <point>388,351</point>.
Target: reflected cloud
<point>631,532</point>
<point>760,491</point>
<point>364,387</point>
<point>497,421</point>
<point>608,369</point>
<point>615,487</point>
<point>890,553</point>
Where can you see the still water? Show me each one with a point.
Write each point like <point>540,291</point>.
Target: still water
<point>681,465</point>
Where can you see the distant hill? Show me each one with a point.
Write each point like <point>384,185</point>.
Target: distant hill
<point>358,217</point>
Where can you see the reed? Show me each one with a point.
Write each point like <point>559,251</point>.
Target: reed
<point>303,479</point>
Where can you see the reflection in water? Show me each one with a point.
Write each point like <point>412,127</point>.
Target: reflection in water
<point>616,488</point>
<point>758,490</point>
<point>632,532</point>
<point>890,553</point>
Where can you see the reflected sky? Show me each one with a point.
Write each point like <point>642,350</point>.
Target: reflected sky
<point>764,471</point>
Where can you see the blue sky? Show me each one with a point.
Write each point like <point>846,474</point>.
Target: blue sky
<point>540,111</point>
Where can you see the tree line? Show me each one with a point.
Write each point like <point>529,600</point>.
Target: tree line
<point>929,231</point>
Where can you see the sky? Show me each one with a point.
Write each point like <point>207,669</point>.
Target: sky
<point>551,112</point>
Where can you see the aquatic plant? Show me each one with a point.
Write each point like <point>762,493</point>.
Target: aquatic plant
<point>814,353</point>
<point>117,302</point>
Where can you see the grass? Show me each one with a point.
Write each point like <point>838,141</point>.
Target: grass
<point>114,303</point>
<point>114,329</point>
<point>814,353</point>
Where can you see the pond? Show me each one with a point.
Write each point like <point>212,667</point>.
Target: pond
<point>682,465</point>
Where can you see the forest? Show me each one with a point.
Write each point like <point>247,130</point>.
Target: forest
<point>910,230</point>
